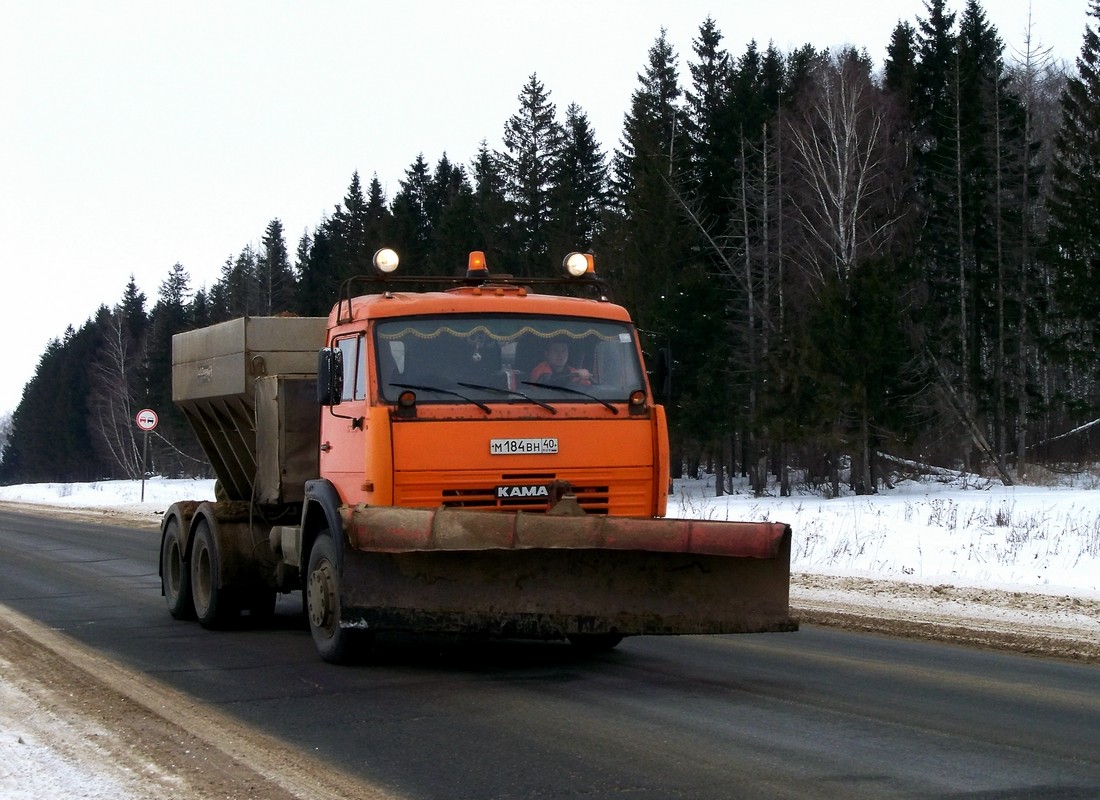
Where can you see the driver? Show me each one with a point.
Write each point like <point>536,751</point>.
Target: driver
<point>555,367</point>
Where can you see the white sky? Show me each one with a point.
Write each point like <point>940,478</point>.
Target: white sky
<point>134,134</point>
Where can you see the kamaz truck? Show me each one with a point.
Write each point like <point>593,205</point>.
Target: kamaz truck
<point>413,462</point>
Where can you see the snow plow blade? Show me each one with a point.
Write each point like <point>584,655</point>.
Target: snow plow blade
<point>545,576</point>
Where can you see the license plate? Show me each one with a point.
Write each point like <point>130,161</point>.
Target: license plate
<point>522,447</point>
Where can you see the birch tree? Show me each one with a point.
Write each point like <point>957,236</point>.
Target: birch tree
<point>845,167</point>
<point>842,161</point>
<point>114,408</point>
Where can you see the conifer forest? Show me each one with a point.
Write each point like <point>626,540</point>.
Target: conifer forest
<point>859,267</point>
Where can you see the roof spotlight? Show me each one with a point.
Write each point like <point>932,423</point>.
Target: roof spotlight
<point>579,265</point>
<point>386,260</point>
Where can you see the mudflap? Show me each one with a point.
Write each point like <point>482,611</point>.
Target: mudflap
<point>553,592</point>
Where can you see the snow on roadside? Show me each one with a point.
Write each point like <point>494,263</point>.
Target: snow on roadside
<point>962,533</point>
<point>124,496</point>
<point>45,755</point>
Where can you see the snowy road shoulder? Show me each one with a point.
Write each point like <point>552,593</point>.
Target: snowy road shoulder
<point>1062,626</point>
<point>77,724</point>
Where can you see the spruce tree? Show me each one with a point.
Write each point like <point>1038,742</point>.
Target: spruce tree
<point>937,156</point>
<point>174,450</point>
<point>199,313</point>
<point>900,69</point>
<point>652,125</point>
<point>412,224</point>
<point>379,219</point>
<point>237,292</point>
<point>580,196</point>
<point>533,141</point>
<point>50,436</point>
<point>712,127</point>
<point>348,230</point>
<point>713,133</point>
<point>492,223</point>
<point>451,208</point>
<point>1074,237</point>
<point>276,279</point>
<point>656,269</point>
<point>319,279</point>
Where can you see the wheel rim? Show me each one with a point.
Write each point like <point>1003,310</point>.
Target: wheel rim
<point>322,598</point>
<point>173,569</point>
<point>202,577</point>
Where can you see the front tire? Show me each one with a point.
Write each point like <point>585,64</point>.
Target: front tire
<point>322,601</point>
<point>175,575</point>
<point>213,606</point>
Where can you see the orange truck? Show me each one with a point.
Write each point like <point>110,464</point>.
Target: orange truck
<point>483,455</point>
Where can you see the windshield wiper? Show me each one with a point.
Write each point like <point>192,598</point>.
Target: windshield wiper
<point>510,393</point>
<point>569,390</point>
<point>420,388</point>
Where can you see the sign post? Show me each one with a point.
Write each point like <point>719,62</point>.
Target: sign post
<point>146,421</point>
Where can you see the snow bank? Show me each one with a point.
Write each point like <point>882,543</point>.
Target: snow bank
<point>1023,538</point>
<point>159,493</point>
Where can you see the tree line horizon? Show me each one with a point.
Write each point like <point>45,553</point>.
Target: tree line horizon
<point>858,271</point>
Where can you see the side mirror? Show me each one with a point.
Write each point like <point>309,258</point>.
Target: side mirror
<point>330,376</point>
<point>662,374</point>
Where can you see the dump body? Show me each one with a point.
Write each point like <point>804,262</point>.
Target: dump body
<point>248,388</point>
<point>411,463</point>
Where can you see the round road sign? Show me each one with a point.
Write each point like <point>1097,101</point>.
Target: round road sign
<point>146,419</point>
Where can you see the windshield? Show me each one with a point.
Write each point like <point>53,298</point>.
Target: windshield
<point>507,359</point>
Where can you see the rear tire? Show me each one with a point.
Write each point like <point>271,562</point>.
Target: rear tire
<point>175,574</point>
<point>213,605</point>
<point>322,602</point>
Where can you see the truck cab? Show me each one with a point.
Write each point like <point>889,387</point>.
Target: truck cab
<point>447,399</point>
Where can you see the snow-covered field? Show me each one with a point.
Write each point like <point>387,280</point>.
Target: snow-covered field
<point>960,531</point>
<point>957,540</point>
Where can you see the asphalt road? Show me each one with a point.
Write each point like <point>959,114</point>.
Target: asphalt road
<point>814,714</point>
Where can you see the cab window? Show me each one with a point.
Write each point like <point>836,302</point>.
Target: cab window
<point>500,359</point>
<point>355,367</point>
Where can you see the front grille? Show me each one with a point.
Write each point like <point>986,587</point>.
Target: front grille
<point>593,499</point>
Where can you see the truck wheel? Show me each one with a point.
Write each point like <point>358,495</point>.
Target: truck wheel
<point>212,602</point>
<point>322,601</point>
<point>175,577</point>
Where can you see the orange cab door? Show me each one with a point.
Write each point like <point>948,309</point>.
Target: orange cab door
<point>343,426</point>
